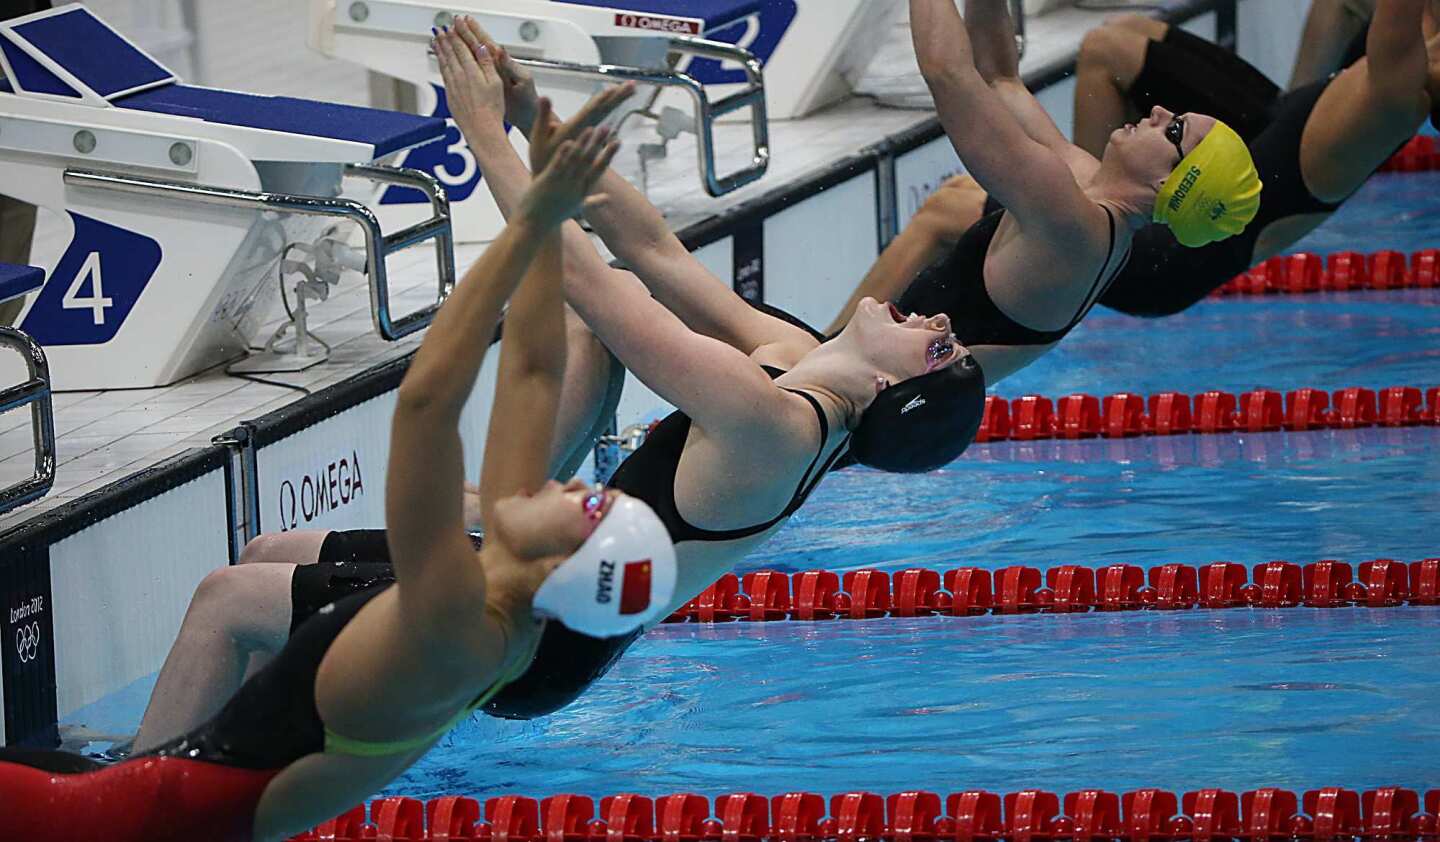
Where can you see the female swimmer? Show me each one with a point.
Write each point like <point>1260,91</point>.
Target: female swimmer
<point>1313,146</point>
<point>371,681</point>
<point>765,410</point>
<point>766,406</point>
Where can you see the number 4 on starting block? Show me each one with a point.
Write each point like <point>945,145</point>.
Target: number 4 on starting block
<point>97,303</point>
<point>95,285</point>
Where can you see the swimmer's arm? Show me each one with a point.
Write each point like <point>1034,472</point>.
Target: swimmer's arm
<point>997,60</point>
<point>527,388</point>
<point>1028,178</point>
<point>705,304</point>
<point>714,383</point>
<point>628,223</point>
<point>632,228</point>
<point>507,177</point>
<point>1330,26</point>
<point>425,481</point>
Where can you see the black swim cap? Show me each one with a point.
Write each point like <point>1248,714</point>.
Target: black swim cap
<point>922,423</point>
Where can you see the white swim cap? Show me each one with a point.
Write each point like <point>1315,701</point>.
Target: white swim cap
<point>620,579</point>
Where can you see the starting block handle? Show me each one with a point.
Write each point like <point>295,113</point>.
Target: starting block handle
<point>34,393</point>
<point>377,245</point>
<point>706,112</point>
<point>436,229</point>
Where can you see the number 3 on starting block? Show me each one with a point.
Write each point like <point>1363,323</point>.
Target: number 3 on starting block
<point>94,286</point>
<point>448,159</point>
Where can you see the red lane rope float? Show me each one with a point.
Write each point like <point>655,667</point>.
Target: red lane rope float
<point>1420,154</point>
<point>1332,814</point>
<point>1127,415</point>
<point>768,595</point>
<point>1344,271</point>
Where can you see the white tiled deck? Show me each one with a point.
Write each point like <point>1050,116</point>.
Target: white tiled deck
<point>105,436</point>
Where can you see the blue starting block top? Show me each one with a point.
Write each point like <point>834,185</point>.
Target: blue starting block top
<point>715,13</point>
<point>111,68</point>
<point>90,50</point>
<point>16,281</point>
<point>387,131</point>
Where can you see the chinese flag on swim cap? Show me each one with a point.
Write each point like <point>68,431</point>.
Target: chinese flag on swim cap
<point>635,587</point>
<point>583,592</point>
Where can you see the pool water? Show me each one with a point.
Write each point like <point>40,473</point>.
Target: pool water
<point>1296,698</point>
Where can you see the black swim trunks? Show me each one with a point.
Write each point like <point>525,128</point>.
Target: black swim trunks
<point>350,561</point>
<point>566,663</point>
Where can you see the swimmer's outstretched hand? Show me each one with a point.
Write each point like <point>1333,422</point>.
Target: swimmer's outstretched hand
<point>547,132</point>
<point>521,99</point>
<point>568,158</point>
<point>473,88</point>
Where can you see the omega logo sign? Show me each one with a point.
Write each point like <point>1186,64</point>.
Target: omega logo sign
<point>653,23</point>
<point>331,487</point>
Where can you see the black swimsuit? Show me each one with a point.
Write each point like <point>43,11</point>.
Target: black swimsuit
<point>272,721</point>
<point>1164,277</point>
<point>956,287</point>
<point>566,663</point>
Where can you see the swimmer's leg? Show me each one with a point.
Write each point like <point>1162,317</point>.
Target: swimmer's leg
<point>588,397</point>
<point>236,611</point>
<point>1111,58</point>
<point>1371,108</point>
<point>1330,27</point>
<point>934,230</point>
<point>301,546</point>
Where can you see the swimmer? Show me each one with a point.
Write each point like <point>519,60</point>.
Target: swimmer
<point>1313,147</point>
<point>1026,274</point>
<point>765,410</point>
<point>373,680</point>
<point>767,406</point>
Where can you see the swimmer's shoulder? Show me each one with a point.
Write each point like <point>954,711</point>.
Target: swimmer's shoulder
<point>784,353</point>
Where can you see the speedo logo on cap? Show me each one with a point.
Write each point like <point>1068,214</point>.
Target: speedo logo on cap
<point>634,586</point>
<point>1185,184</point>
<point>915,403</point>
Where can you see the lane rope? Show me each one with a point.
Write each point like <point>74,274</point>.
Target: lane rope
<point>768,595</point>
<point>1304,273</point>
<point>1129,415</point>
<point>1332,814</point>
<point>1420,154</point>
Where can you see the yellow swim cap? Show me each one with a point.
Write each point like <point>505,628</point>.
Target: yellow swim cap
<point>1213,193</point>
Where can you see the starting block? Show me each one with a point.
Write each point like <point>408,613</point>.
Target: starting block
<point>704,55</point>
<point>34,392</point>
<point>183,200</point>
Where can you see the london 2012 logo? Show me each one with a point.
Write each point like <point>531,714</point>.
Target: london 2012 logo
<point>27,642</point>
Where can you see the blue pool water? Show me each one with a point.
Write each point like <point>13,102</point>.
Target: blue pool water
<point>1296,698</point>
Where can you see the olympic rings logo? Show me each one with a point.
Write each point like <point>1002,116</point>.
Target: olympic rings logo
<point>27,642</point>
